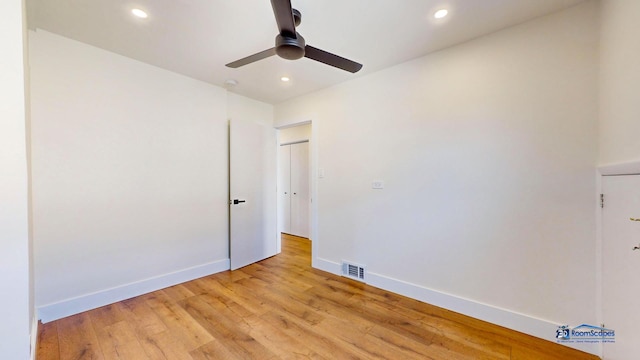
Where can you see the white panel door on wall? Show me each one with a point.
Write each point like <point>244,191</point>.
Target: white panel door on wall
<point>294,189</point>
<point>252,190</point>
<point>300,189</point>
<point>621,265</point>
<point>284,188</point>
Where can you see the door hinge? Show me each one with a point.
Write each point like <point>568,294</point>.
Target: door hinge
<point>602,200</point>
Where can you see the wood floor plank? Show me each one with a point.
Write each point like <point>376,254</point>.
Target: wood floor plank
<point>78,339</point>
<point>183,327</point>
<point>224,286</point>
<point>213,350</point>
<point>278,342</point>
<point>370,347</point>
<point>178,292</point>
<point>322,344</point>
<point>48,348</point>
<point>119,341</point>
<point>232,332</point>
<point>281,308</point>
<point>283,301</point>
<point>165,346</point>
<point>105,316</point>
<point>144,320</point>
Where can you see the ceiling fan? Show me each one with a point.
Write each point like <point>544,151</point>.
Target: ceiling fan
<point>291,46</point>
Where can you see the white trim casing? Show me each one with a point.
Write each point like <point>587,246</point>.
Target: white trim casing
<point>598,260</point>
<point>34,338</point>
<point>626,168</point>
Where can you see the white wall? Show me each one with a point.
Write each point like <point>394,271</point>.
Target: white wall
<point>244,108</point>
<point>16,296</point>
<point>619,82</point>
<point>129,176</point>
<point>487,151</point>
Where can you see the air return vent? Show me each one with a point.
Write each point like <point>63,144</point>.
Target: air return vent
<point>353,271</point>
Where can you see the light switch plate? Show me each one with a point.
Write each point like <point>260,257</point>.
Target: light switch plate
<point>377,184</point>
<point>320,173</point>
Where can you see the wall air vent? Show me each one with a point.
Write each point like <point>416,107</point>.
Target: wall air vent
<point>353,271</point>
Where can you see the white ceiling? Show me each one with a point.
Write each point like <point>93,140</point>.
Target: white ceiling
<point>198,37</point>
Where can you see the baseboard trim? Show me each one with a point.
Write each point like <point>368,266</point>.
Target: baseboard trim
<point>68,307</point>
<point>540,328</point>
<point>327,265</point>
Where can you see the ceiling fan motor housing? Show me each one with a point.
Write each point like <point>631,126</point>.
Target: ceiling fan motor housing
<point>290,48</point>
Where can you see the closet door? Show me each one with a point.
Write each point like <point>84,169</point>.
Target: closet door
<point>300,198</point>
<point>284,188</point>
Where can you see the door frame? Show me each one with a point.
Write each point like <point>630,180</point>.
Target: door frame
<point>313,185</point>
<point>290,143</point>
<point>618,169</point>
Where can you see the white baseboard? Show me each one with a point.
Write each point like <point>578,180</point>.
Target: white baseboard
<point>68,307</point>
<point>327,265</point>
<point>527,324</point>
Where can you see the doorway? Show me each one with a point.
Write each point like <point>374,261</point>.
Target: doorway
<point>294,188</point>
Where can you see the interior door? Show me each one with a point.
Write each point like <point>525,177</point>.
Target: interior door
<point>300,189</point>
<point>284,188</point>
<point>621,264</point>
<point>252,189</point>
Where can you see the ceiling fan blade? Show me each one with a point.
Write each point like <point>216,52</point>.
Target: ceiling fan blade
<point>331,59</point>
<point>284,17</point>
<point>252,58</point>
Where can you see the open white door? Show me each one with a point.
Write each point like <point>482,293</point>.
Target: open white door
<point>621,264</point>
<point>252,188</point>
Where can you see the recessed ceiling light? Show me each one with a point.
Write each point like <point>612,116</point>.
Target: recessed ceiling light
<point>139,13</point>
<point>440,13</point>
<point>284,79</point>
<point>231,83</point>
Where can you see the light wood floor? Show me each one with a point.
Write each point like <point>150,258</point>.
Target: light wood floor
<point>281,308</point>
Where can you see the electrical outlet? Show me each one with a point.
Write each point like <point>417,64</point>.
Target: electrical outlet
<point>377,184</point>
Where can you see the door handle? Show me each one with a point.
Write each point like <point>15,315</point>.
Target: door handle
<point>236,201</point>
<point>634,219</point>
